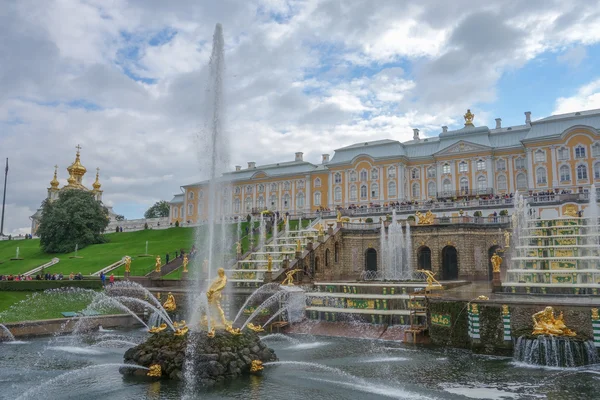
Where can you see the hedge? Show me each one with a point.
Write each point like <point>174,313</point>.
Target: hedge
<point>43,285</point>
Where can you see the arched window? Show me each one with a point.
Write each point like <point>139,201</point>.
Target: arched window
<point>286,186</point>
<point>501,165</point>
<point>190,209</point>
<point>317,198</point>
<point>481,184</point>
<point>391,172</point>
<point>414,173</point>
<point>521,182</point>
<point>540,174</point>
<point>597,171</point>
<point>261,188</point>
<point>248,203</point>
<point>375,174</point>
<point>286,201</point>
<point>416,191</point>
<point>337,194</point>
<point>191,195</point>
<point>236,205</point>
<point>446,168</point>
<point>480,165</point>
<point>540,156</point>
<point>352,176</point>
<point>200,207</point>
<point>248,189</point>
<point>300,184</point>
<point>565,173</point>
<point>581,172</point>
<point>431,172</point>
<point>273,187</point>
<point>463,166</point>
<point>464,186</point>
<point>502,183</point>
<point>447,186</point>
<point>353,192</point>
<point>520,163</point>
<point>580,152</point>
<point>273,201</point>
<point>336,252</point>
<point>374,191</point>
<point>596,149</point>
<point>327,257</point>
<point>201,194</point>
<point>300,200</point>
<point>174,212</point>
<point>563,154</point>
<point>391,189</point>
<point>431,192</point>
<point>363,176</point>
<point>363,192</point>
<point>337,178</point>
<point>318,182</point>
<point>238,190</point>
<point>261,202</point>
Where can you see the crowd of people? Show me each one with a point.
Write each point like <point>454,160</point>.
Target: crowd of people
<point>41,277</point>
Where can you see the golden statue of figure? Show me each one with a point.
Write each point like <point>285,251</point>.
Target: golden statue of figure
<point>185,263</point>
<point>127,264</point>
<point>154,370</point>
<point>338,216</point>
<point>182,330</point>
<point>425,219</point>
<point>255,328</point>
<point>232,330</point>
<point>320,230</point>
<point>269,263</point>
<point>469,116</point>
<point>170,305</point>
<point>298,246</point>
<point>289,277</point>
<point>496,262</point>
<point>431,281</point>
<point>238,248</point>
<point>214,297</point>
<point>595,315</point>
<point>158,264</point>
<point>211,333</point>
<point>507,239</point>
<point>256,366</point>
<point>157,329</point>
<point>544,323</point>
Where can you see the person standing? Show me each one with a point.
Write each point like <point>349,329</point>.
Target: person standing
<point>167,259</point>
<point>111,279</point>
<point>103,278</point>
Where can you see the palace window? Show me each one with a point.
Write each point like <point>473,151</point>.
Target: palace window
<point>581,172</point>
<point>374,174</point>
<point>261,188</point>
<point>190,209</point>
<point>363,192</point>
<point>248,203</point>
<point>337,178</point>
<point>481,184</point>
<point>480,165</point>
<point>273,201</point>
<point>337,194</point>
<point>248,189</point>
<point>352,176</point>
<point>286,201</point>
<point>392,189</point>
<point>520,163</point>
<point>236,205</point>
<point>300,185</point>
<point>540,174</point>
<point>416,191</point>
<point>353,193</point>
<point>374,191</point>
<point>317,198</point>
<point>201,194</point>
<point>300,200</point>
<point>431,172</point>
<point>363,176</point>
<point>563,154</point>
<point>579,152</point>
<point>446,169</point>
<point>463,166</point>
<point>200,207</point>
<point>540,156</point>
<point>565,173</point>
<point>521,182</point>
<point>391,172</point>
<point>238,190</point>
<point>447,186</point>
<point>596,149</point>
<point>414,173</point>
<point>464,186</point>
<point>286,186</point>
<point>597,171</point>
<point>260,202</point>
<point>502,183</point>
<point>318,182</point>
<point>191,195</point>
<point>273,187</point>
<point>175,212</point>
<point>431,192</point>
<point>501,165</point>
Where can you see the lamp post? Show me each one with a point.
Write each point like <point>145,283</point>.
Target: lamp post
<point>4,199</point>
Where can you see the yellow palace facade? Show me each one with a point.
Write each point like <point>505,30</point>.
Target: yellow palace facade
<point>553,154</point>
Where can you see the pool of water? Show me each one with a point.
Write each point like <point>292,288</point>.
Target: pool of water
<point>310,367</point>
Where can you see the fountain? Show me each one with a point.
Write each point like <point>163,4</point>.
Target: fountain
<point>5,334</point>
<point>262,231</point>
<point>76,250</point>
<point>17,256</point>
<point>395,247</point>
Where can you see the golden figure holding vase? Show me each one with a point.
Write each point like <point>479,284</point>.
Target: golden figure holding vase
<point>544,323</point>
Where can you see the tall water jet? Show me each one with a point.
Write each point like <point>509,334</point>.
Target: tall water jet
<point>239,229</point>
<point>262,231</point>
<point>592,214</point>
<point>408,271</point>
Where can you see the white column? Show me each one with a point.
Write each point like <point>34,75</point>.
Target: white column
<point>307,197</point>
<point>293,198</point>
<point>491,172</point>
<point>422,182</point>
<point>279,205</point>
<point>453,172</point>
<point>530,180</point>
<point>346,177</point>
<point>554,167</point>
<point>473,183</point>
<point>401,180</point>
<point>330,191</point>
<point>438,177</point>
<point>511,178</point>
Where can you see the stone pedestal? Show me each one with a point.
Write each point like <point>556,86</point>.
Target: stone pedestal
<point>239,256</point>
<point>268,277</point>
<point>127,275</point>
<point>184,275</point>
<point>320,238</point>
<point>155,275</point>
<point>496,282</point>
<point>286,263</point>
<point>330,230</point>
<point>309,246</point>
<point>298,254</point>
<point>339,224</point>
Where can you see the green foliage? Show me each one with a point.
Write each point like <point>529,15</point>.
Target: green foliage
<point>75,218</point>
<point>504,213</point>
<point>119,217</point>
<point>176,224</point>
<point>158,210</point>
<point>369,220</point>
<point>411,218</point>
<point>145,225</point>
<point>477,214</point>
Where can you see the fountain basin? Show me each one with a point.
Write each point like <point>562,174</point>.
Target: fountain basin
<point>553,351</point>
<point>223,357</point>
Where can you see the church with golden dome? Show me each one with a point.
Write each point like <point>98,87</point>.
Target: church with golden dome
<point>75,181</point>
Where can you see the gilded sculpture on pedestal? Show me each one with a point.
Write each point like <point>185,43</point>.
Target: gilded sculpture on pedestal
<point>214,298</point>
<point>507,239</point>
<point>185,263</point>
<point>238,248</point>
<point>298,246</point>
<point>289,277</point>
<point>338,216</point>
<point>425,219</point>
<point>170,305</point>
<point>269,263</point>
<point>320,230</point>
<point>158,264</point>
<point>127,264</point>
<point>544,323</point>
<point>496,262</point>
<point>431,281</point>
<point>469,116</point>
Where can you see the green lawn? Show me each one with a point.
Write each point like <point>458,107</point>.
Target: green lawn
<point>7,299</point>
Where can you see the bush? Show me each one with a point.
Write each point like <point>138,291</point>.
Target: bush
<point>477,214</point>
<point>411,218</point>
<point>369,220</point>
<point>44,285</point>
<point>504,213</point>
<point>145,225</point>
<point>176,224</point>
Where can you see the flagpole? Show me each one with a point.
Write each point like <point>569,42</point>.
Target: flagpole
<point>4,199</point>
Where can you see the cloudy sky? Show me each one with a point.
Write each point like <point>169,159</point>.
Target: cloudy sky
<point>127,81</point>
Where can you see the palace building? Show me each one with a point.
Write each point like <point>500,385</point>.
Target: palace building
<point>557,154</point>
<point>75,181</point>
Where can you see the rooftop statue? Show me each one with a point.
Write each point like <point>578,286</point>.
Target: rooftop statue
<point>469,116</point>
<point>544,323</point>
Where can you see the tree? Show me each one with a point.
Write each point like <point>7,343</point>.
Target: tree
<point>76,218</point>
<point>158,210</point>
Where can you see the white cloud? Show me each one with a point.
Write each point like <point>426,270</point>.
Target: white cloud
<point>586,98</point>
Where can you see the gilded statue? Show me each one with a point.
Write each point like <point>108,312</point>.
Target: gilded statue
<point>289,277</point>
<point>505,310</point>
<point>544,323</point>
<point>238,248</point>
<point>127,264</point>
<point>214,297</point>
<point>595,315</point>
<point>431,281</point>
<point>269,263</point>
<point>255,328</point>
<point>496,262</point>
<point>298,246</point>
<point>232,330</point>
<point>158,264</point>
<point>320,230</point>
<point>338,216</point>
<point>157,329</point>
<point>425,219</point>
<point>469,116</point>
<point>507,239</point>
<point>180,328</point>
<point>170,305</point>
<point>154,370</point>
<point>185,263</point>
<point>256,366</point>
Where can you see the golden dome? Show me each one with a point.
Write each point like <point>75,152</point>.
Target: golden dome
<point>77,169</point>
<point>97,184</point>
<point>54,182</point>
<point>71,181</point>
